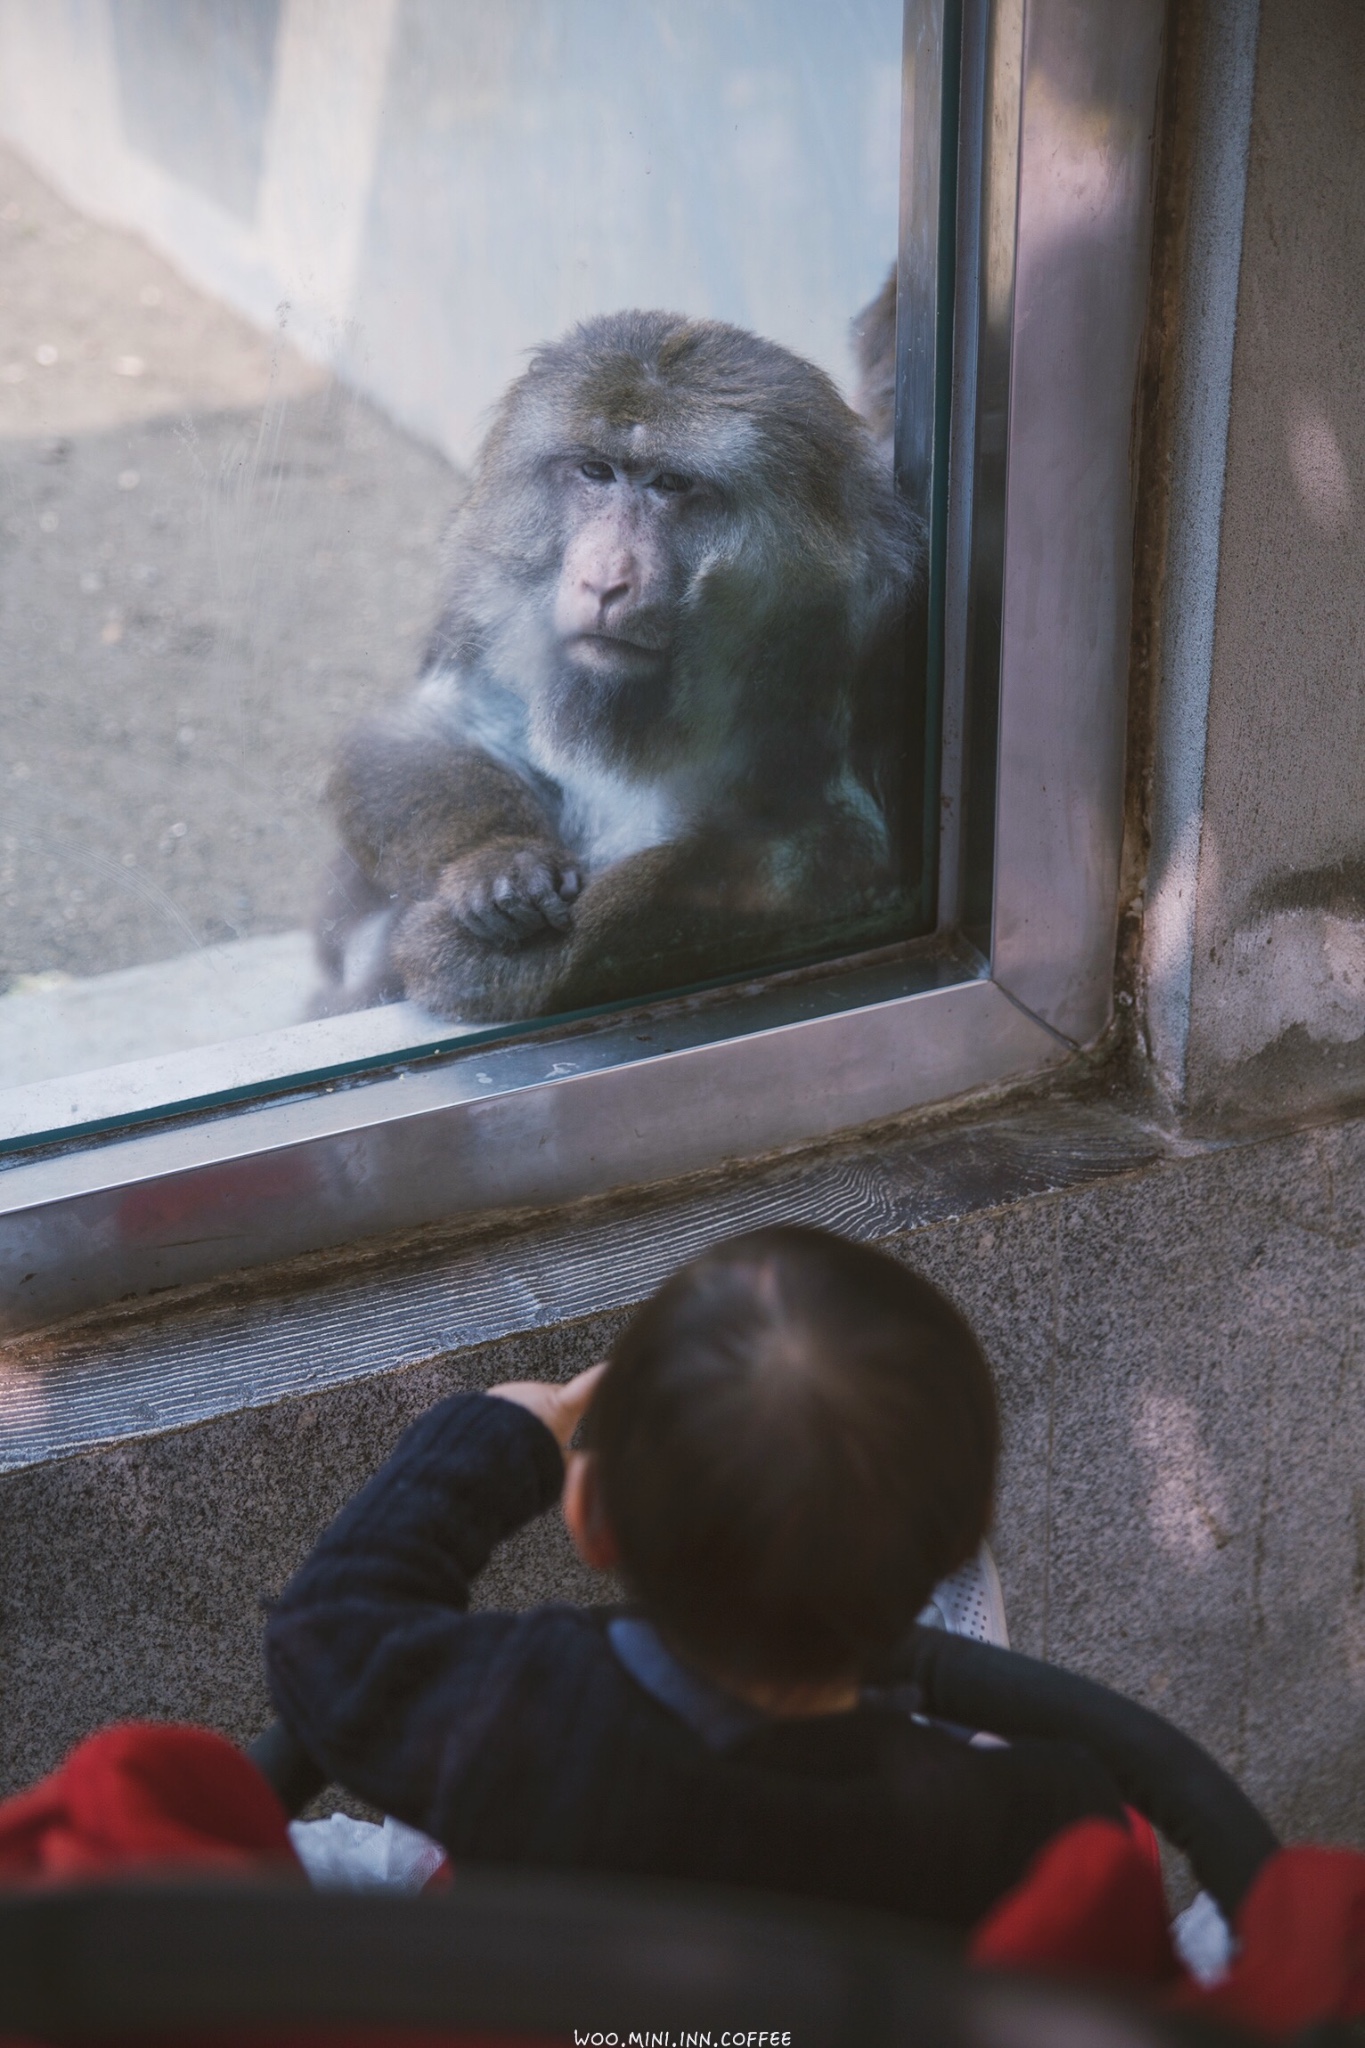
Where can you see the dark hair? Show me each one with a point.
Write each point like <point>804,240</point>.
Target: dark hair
<point>796,1439</point>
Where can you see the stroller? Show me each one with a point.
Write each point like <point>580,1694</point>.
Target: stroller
<point>1079,1954</point>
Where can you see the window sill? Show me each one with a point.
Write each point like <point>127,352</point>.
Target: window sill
<point>322,1324</point>
<point>527,1124</point>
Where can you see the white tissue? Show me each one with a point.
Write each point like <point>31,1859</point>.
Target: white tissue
<point>1203,1941</point>
<point>344,1855</point>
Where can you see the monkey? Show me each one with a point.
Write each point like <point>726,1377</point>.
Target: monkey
<point>660,733</point>
<point>874,350</point>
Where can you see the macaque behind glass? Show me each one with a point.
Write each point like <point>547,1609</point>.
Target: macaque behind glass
<point>661,730</point>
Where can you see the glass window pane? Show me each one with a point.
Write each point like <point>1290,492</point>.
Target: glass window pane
<point>444,579</point>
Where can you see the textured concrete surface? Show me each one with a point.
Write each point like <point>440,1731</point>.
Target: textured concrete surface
<point>212,560</point>
<point>1182,1513</point>
<point>1278,997</point>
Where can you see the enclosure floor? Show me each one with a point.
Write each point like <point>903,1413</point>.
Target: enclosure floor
<point>213,558</point>
<point>54,1024</point>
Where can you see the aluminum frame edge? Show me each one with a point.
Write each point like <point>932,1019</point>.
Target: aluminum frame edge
<point>1087,134</point>
<point>156,1212</point>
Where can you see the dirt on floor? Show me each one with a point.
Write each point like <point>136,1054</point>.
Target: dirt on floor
<point>213,557</point>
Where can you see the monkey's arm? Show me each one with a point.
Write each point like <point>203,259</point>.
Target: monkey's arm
<point>420,814</point>
<point>690,911</point>
<point>410,801</point>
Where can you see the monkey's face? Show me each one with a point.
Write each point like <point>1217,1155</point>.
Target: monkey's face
<point>677,541</point>
<point>624,569</point>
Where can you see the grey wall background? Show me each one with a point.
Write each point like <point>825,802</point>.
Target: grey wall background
<point>164,51</point>
<point>424,189</point>
<point>1273,864</point>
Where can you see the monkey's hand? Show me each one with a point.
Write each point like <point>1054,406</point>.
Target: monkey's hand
<point>507,894</point>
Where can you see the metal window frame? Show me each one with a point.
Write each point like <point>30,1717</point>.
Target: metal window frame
<point>1053,214</point>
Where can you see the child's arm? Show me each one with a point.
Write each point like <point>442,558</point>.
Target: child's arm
<point>372,1660</point>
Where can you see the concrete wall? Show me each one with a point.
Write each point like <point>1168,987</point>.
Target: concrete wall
<point>424,189</point>
<point>1268,863</point>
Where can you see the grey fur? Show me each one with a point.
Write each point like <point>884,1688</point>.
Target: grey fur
<point>701,786</point>
<point>874,349</point>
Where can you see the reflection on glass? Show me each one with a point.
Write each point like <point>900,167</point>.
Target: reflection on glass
<point>400,628</point>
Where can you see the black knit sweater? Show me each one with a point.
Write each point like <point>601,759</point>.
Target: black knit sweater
<point>521,1739</point>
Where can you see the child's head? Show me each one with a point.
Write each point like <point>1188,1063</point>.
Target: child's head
<point>793,1441</point>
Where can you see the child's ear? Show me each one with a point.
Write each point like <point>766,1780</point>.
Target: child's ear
<point>584,1516</point>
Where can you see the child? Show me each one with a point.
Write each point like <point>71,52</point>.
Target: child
<point>791,1444</point>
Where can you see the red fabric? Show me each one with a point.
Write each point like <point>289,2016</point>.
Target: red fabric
<point>1090,1904</point>
<point>135,1795</point>
<point>1145,1841</point>
<point>138,1795</point>
<point>1301,1939</point>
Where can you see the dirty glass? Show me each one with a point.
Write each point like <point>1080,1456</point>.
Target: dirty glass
<point>327,736</point>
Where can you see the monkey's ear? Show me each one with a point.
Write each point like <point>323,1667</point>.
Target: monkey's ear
<point>584,1516</point>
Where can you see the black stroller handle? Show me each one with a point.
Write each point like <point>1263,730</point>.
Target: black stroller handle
<point>523,1956</point>
<point>1161,1772</point>
<point>1164,1774</point>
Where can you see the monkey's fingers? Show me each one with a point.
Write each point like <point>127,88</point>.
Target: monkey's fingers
<point>551,899</point>
<point>516,898</point>
<point>486,919</point>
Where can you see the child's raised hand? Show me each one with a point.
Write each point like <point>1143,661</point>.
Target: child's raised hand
<point>560,1407</point>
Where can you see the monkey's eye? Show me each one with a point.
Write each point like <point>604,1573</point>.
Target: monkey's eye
<point>597,472</point>
<point>671,482</point>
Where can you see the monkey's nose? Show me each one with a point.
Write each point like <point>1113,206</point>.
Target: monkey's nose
<point>601,581</point>
<point>609,586</point>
